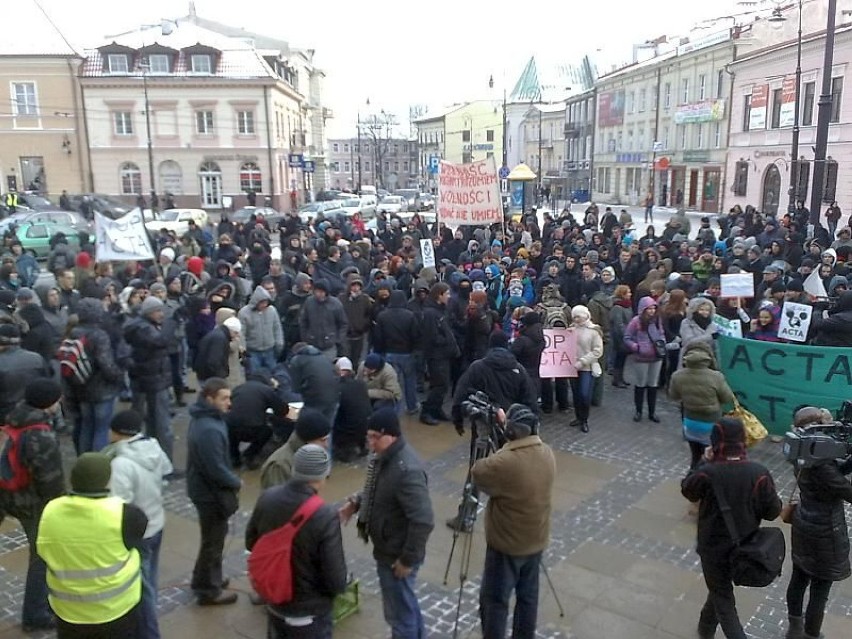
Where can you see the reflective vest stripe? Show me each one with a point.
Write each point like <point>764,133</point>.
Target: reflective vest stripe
<point>95,596</point>
<point>90,574</point>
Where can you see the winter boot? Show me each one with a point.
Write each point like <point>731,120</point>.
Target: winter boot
<point>796,628</point>
<point>652,404</point>
<point>638,396</point>
<point>179,398</point>
<point>618,379</point>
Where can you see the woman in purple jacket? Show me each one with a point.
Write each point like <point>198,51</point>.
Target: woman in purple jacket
<point>643,336</point>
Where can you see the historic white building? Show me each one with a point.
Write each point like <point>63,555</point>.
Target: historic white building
<point>191,109</point>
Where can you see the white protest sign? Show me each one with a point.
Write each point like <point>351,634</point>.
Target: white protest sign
<point>813,285</point>
<point>427,252</point>
<point>469,194</point>
<point>122,239</point>
<point>737,285</point>
<point>731,328</point>
<point>795,321</point>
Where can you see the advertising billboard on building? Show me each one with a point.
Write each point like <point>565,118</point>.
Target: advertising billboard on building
<point>759,100</point>
<point>611,108</point>
<point>706,111</point>
<point>788,102</point>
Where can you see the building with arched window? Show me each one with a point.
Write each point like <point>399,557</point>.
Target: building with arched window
<point>761,170</point>
<point>225,108</point>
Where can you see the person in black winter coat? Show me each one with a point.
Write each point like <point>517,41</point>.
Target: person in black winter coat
<point>836,329</point>
<point>350,425</point>
<point>212,486</point>
<point>396,336</point>
<point>318,564</point>
<point>750,492</point>
<point>314,379</point>
<point>150,336</point>
<point>439,348</point>
<point>820,541</point>
<point>17,368</point>
<point>528,347</point>
<point>214,351</point>
<point>41,338</point>
<point>247,419</point>
<point>498,375</point>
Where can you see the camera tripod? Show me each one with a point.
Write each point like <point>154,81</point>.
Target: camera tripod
<point>486,438</point>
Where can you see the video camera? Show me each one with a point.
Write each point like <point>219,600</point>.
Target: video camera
<point>806,446</point>
<point>482,413</point>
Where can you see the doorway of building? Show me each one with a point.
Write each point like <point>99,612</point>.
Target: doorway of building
<point>771,190</point>
<point>710,191</point>
<point>210,177</point>
<point>678,186</point>
<point>693,188</point>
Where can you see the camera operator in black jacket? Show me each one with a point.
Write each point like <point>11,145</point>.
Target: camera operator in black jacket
<point>750,492</point>
<point>318,564</point>
<point>820,538</point>
<point>498,375</point>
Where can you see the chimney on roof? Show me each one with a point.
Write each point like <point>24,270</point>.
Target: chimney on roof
<point>192,13</point>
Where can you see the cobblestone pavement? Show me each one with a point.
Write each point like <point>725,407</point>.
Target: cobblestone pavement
<point>621,557</point>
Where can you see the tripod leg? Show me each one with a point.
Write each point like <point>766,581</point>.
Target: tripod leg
<point>467,545</point>
<point>552,587</point>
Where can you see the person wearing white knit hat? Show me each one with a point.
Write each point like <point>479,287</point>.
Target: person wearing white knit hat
<point>589,351</point>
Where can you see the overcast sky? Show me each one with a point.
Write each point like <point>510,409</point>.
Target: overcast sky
<point>400,53</point>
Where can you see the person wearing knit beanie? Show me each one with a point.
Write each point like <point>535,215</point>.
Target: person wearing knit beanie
<point>90,474</point>
<point>43,393</point>
<point>312,426</point>
<point>384,421</point>
<point>151,305</point>
<point>311,464</point>
<point>83,260</point>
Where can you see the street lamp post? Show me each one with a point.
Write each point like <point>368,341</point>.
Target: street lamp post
<point>778,18</point>
<point>823,115</point>
<point>539,152</point>
<point>145,67</point>
<point>505,150</point>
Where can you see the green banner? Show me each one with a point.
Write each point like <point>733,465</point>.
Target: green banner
<point>772,379</point>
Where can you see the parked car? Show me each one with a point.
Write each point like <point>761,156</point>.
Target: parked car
<point>427,201</point>
<point>392,204</point>
<point>103,204</point>
<point>177,220</point>
<point>20,209</point>
<point>243,215</point>
<point>369,204</point>
<point>410,196</point>
<point>351,205</point>
<point>35,238</point>
<point>32,200</point>
<point>312,210</point>
<point>65,218</point>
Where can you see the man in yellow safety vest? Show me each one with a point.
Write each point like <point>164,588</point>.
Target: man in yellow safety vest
<point>89,541</point>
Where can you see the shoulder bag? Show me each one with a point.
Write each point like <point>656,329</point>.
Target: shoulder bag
<point>756,561</point>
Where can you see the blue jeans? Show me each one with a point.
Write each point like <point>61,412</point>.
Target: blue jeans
<point>156,407</point>
<point>262,359</point>
<point>149,553</point>
<point>403,364</point>
<point>503,574</point>
<point>93,425</point>
<point>581,388</point>
<point>399,601</point>
<point>36,611</point>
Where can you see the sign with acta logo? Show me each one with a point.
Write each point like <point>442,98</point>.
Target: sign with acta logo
<point>427,251</point>
<point>795,321</point>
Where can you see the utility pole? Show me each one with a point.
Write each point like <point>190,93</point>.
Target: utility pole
<point>794,150</point>
<point>148,127</point>
<point>539,151</point>
<point>823,116</point>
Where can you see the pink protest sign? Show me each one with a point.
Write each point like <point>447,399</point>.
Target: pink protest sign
<point>560,353</point>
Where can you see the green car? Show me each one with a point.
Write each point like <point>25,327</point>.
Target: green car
<point>35,238</point>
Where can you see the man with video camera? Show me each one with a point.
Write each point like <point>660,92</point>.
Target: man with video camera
<point>820,538</point>
<point>518,479</point>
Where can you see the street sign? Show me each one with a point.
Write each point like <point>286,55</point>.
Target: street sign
<point>658,146</point>
<point>295,160</point>
<point>309,166</point>
<point>434,163</point>
<point>504,172</point>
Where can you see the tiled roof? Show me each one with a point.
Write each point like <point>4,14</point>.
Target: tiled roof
<point>237,60</point>
<point>33,33</point>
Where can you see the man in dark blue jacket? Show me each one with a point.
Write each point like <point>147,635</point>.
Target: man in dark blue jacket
<point>150,336</point>
<point>213,488</point>
<point>396,335</point>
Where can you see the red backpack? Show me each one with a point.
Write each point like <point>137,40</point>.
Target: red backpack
<point>270,564</point>
<point>14,476</point>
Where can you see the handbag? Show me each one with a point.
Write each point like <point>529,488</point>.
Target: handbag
<point>659,346</point>
<point>756,561</point>
<point>755,431</point>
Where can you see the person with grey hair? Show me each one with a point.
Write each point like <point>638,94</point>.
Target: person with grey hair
<point>318,567</point>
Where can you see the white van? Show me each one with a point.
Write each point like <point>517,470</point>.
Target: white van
<point>367,189</point>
